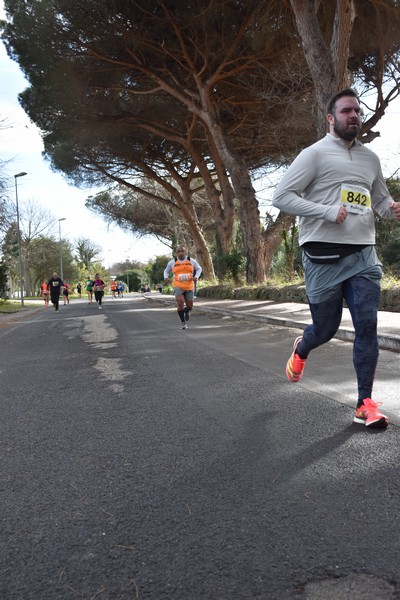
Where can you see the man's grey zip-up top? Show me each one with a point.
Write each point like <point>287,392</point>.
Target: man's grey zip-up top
<point>310,189</point>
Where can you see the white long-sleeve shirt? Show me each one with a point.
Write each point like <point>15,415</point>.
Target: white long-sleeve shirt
<point>196,267</point>
<point>315,183</point>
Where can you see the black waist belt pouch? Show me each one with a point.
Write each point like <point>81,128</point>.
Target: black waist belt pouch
<point>329,253</point>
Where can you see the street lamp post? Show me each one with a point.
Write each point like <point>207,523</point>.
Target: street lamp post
<point>21,287</point>
<point>61,257</point>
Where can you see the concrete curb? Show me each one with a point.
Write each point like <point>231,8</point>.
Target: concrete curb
<point>386,342</point>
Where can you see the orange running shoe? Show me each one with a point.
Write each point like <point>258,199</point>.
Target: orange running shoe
<point>295,365</point>
<point>369,415</point>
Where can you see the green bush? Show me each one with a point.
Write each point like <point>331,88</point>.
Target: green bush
<point>234,263</point>
<point>4,289</point>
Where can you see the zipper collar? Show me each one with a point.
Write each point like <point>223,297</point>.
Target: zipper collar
<point>340,142</point>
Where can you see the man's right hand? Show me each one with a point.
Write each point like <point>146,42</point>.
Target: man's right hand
<point>342,215</point>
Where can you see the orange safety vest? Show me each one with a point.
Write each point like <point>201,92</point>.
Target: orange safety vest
<point>183,275</point>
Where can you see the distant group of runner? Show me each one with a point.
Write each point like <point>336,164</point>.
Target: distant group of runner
<point>55,287</point>
<point>96,286</point>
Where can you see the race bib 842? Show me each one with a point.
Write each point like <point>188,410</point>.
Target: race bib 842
<point>355,198</point>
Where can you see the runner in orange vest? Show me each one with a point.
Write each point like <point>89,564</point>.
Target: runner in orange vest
<point>186,272</point>
<point>45,293</point>
<point>113,288</point>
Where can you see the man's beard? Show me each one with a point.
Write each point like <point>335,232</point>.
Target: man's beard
<point>344,133</point>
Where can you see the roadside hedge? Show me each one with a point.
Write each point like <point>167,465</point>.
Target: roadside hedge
<point>390,297</point>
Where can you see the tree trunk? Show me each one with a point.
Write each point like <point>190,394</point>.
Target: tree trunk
<point>225,216</point>
<point>328,65</point>
<point>202,253</point>
<point>27,271</point>
<point>246,195</point>
<point>250,223</point>
<point>273,237</point>
<point>221,200</point>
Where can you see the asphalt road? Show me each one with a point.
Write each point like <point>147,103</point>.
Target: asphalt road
<point>141,461</point>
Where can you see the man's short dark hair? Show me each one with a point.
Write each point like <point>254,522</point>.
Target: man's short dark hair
<point>330,109</point>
